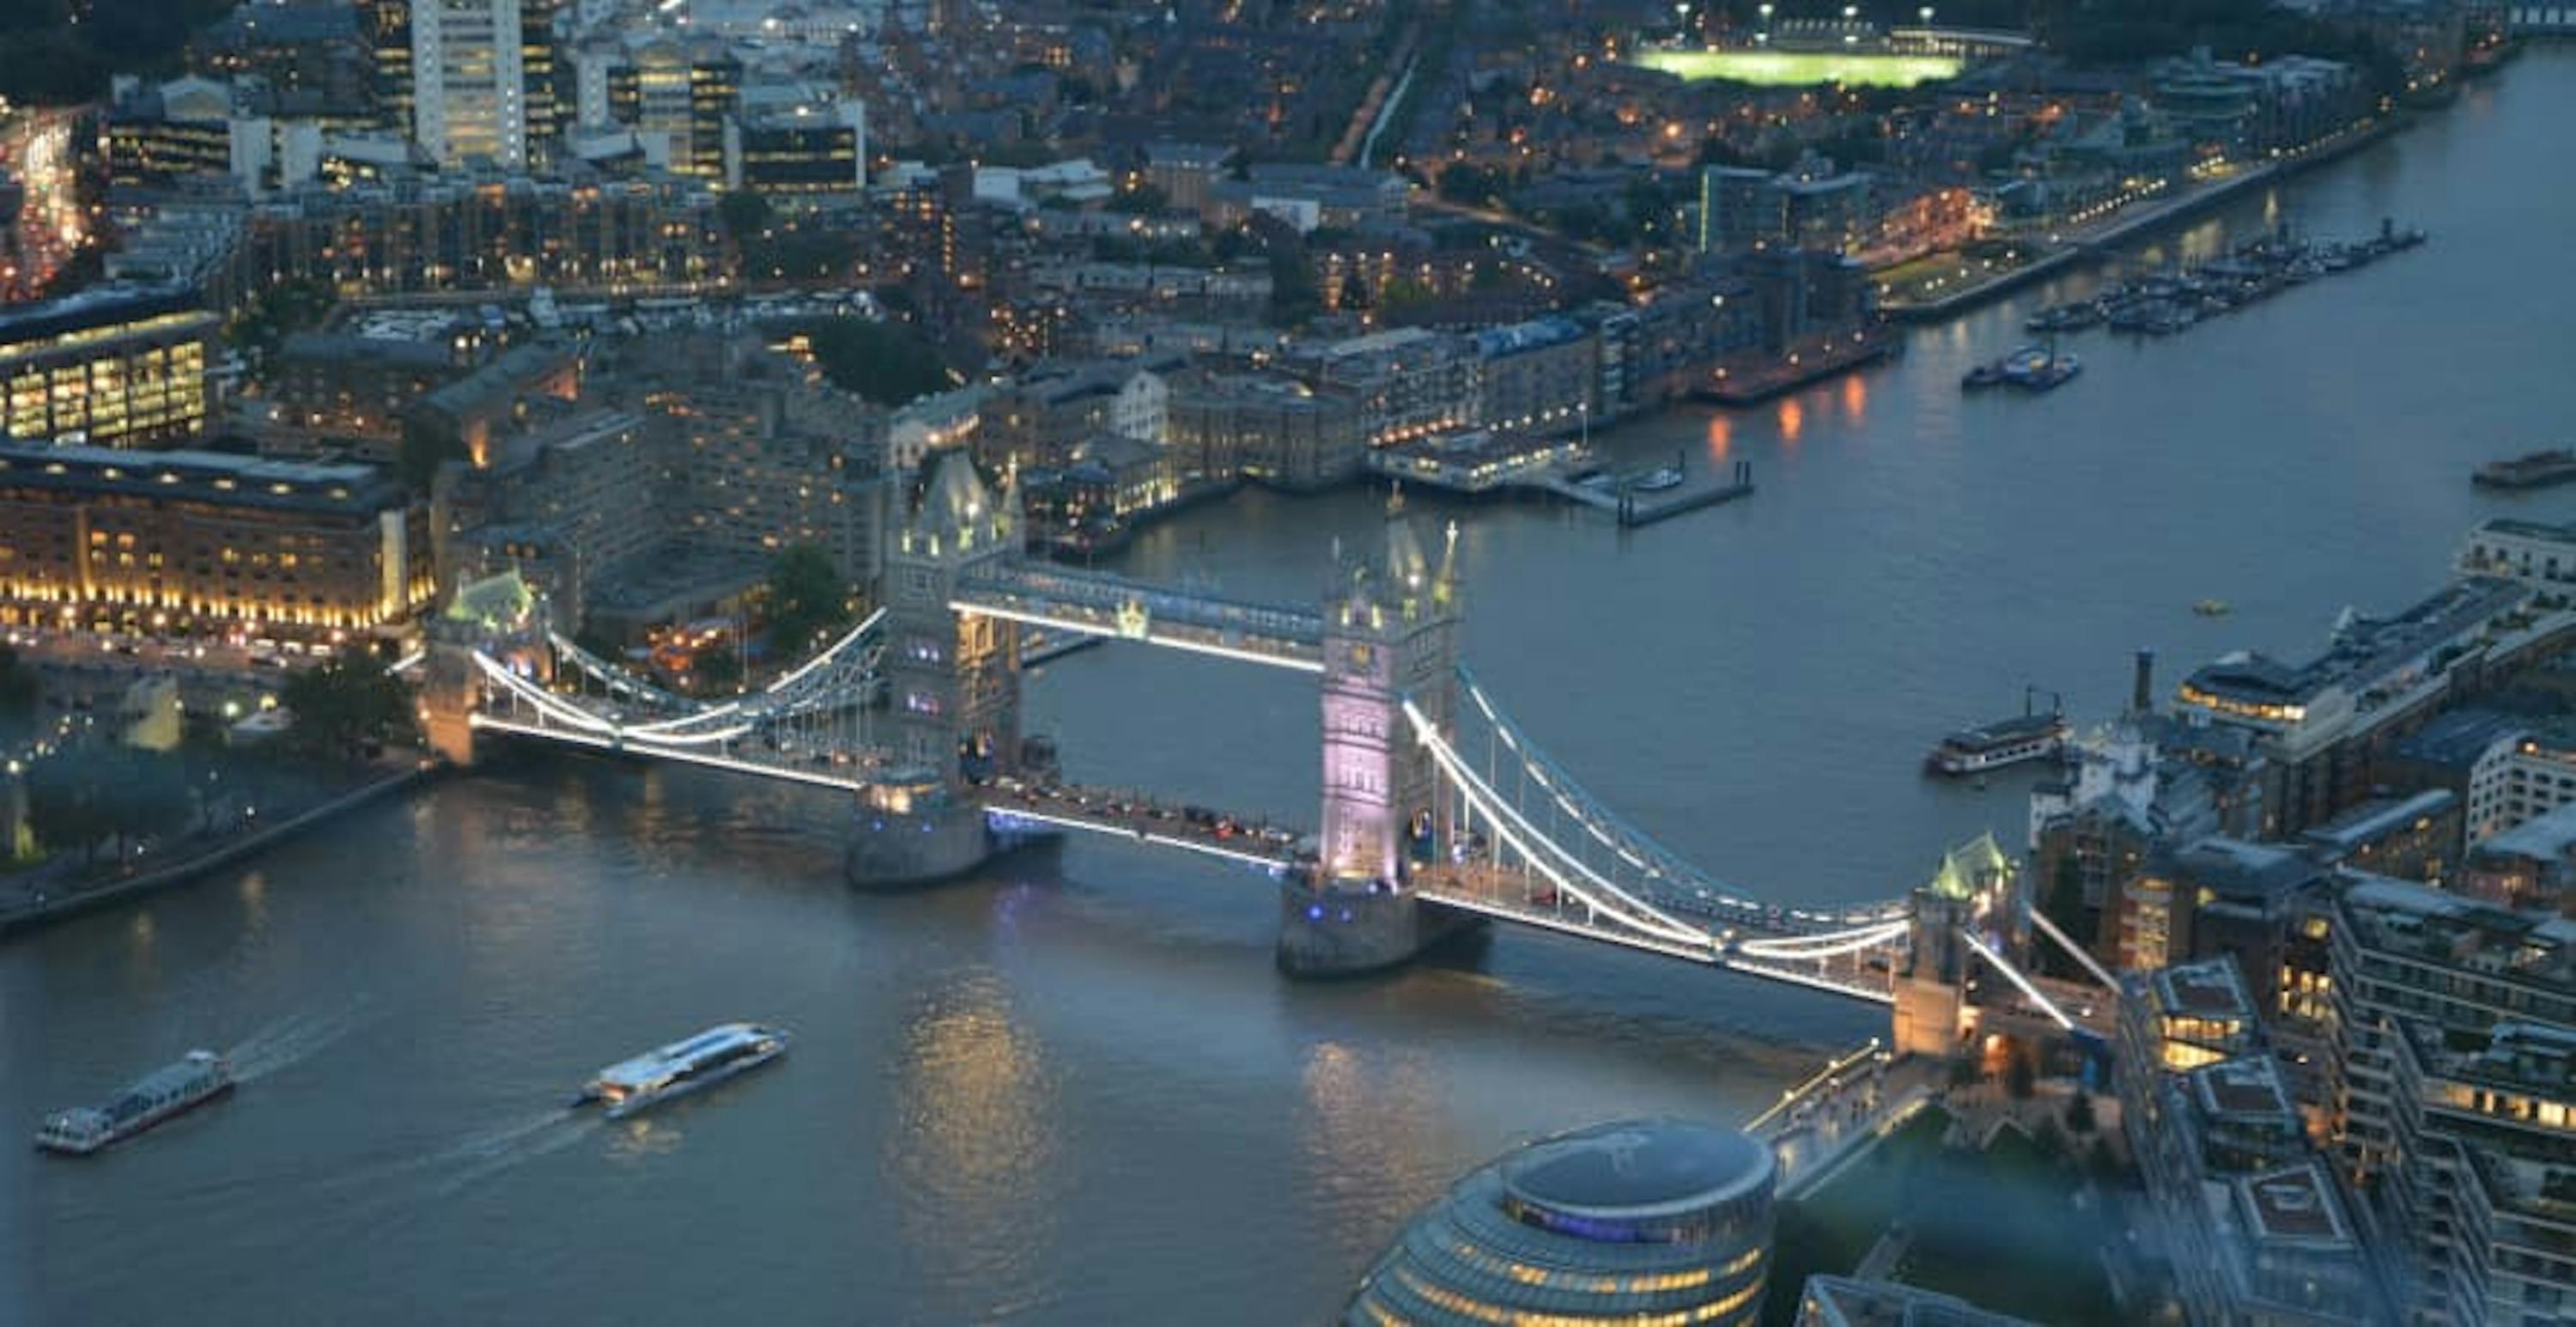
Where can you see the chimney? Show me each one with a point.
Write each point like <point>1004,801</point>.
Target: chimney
<point>2142,688</point>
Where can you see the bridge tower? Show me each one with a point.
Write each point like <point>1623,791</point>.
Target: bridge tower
<point>952,682</point>
<point>1390,636</point>
<point>1971,893</point>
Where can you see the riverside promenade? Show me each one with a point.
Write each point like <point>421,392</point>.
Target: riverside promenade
<point>35,904</point>
<point>2091,242</point>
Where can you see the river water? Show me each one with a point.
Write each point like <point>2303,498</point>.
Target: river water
<point>1073,1090</point>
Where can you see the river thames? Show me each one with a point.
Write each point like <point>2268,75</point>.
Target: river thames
<point>1073,1089</point>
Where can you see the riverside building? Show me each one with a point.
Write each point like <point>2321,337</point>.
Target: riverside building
<point>1637,1221</point>
<point>196,541</point>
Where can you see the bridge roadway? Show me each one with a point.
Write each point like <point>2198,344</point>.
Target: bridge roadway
<point>1858,970</point>
<point>1097,605</point>
<point>1127,815</point>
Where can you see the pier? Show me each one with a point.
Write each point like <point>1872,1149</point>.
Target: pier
<point>1479,465</point>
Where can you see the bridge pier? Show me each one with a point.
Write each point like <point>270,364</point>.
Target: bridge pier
<point>1339,930</point>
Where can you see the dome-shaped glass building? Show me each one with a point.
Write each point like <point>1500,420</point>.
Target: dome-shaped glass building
<point>1646,1222</point>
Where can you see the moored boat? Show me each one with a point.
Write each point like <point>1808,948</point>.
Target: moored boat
<point>683,1067</point>
<point>2000,743</point>
<point>195,1079</point>
<point>2536,470</point>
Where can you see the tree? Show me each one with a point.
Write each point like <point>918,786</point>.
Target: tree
<point>425,447</point>
<point>67,802</point>
<point>808,601</point>
<point>2079,1112</point>
<point>19,686</point>
<point>886,363</point>
<point>2021,1077</point>
<point>745,212</point>
<point>346,704</point>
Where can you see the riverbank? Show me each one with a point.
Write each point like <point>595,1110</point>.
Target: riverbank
<point>28,911</point>
<point>2097,244</point>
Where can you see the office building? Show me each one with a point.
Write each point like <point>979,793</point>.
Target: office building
<point>195,541</point>
<point>113,366</point>
<point>469,81</point>
<point>1648,1220</point>
<point>805,148</point>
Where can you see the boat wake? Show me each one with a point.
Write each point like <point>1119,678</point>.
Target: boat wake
<point>291,1040</point>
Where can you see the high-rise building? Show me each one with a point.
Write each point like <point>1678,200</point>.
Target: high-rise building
<point>469,81</point>
<point>541,66</point>
<point>385,28</point>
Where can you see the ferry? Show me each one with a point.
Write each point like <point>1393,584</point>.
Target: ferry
<point>682,1067</point>
<point>197,1078</point>
<point>2003,742</point>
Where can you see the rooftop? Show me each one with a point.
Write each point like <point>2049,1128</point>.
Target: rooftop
<point>2210,988</point>
<point>2459,737</point>
<point>2296,1203</point>
<point>2430,925</point>
<point>2548,837</point>
<point>2382,817</point>
<point>219,477</point>
<point>98,306</point>
<point>1637,1168</point>
<point>2244,1087</point>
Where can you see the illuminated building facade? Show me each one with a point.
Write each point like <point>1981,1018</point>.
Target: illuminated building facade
<point>800,149</point>
<point>574,231</point>
<point>197,541</point>
<point>117,367</point>
<point>1649,1221</point>
<point>469,82</point>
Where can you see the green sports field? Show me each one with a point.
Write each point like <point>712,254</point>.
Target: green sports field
<point>1802,68</point>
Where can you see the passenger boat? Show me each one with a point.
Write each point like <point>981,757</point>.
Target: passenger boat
<point>1995,745</point>
<point>1658,480</point>
<point>682,1067</point>
<point>2212,608</point>
<point>197,1078</point>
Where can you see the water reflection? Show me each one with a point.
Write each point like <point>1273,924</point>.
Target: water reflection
<point>1370,1139</point>
<point>1721,434</point>
<point>1855,397</point>
<point>974,1149</point>
<point>1793,419</point>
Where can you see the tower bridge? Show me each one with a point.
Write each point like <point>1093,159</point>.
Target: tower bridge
<point>1438,811</point>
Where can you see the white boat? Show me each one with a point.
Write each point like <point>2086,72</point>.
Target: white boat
<point>2003,742</point>
<point>197,1078</point>
<point>1656,481</point>
<point>682,1067</point>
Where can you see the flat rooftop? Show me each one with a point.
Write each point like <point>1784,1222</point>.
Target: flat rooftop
<point>2295,1204</point>
<point>2430,925</point>
<point>2208,989</point>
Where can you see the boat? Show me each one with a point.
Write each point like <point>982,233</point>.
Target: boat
<point>1657,480</point>
<point>2536,470</point>
<point>2004,742</point>
<point>195,1079</point>
<point>1983,375</point>
<point>2212,608</point>
<point>682,1067</point>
